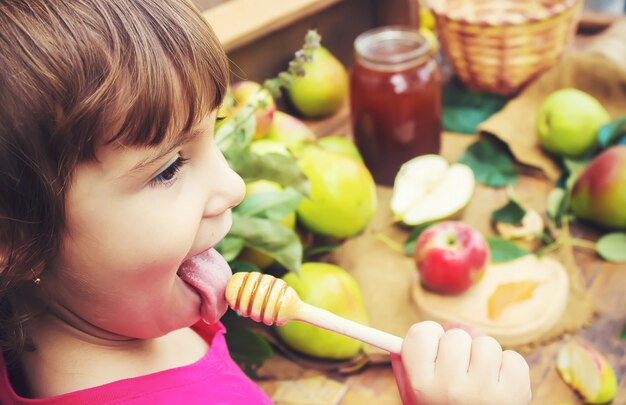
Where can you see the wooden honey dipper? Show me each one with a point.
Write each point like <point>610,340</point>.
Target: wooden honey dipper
<point>267,299</point>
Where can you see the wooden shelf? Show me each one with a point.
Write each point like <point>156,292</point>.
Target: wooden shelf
<point>261,36</point>
<point>240,22</point>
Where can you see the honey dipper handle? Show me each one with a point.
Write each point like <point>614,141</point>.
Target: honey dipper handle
<point>327,320</point>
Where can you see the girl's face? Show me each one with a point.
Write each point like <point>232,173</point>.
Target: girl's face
<point>133,218</point>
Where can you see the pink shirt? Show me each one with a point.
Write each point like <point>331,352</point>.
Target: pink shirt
<point>214,379</point>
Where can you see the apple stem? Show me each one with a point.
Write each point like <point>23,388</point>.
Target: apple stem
<point>386,226</point>
<point>392,244</point>
<point>582,243</point>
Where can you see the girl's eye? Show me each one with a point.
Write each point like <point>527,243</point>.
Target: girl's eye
<point>168,175</point>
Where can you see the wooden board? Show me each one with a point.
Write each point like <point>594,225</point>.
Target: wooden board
<point>519,323</point>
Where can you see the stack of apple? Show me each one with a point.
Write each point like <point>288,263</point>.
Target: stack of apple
<point>341,204</point>
<point>568,124</point>
<point>342,192</point>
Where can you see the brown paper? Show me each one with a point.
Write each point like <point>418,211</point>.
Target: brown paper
<point>385,274</point>
<point>599,70</point>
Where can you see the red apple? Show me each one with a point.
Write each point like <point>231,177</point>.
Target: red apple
<point>450,257</point>
<point>599,194</point>
<point>249,92</point>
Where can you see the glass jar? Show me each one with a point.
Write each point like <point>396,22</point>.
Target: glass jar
<point>395,99</point>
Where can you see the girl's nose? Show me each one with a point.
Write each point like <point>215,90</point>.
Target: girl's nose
<point>227,188</point>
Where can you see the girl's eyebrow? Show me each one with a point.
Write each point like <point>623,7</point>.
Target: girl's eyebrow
<point>163,152</point>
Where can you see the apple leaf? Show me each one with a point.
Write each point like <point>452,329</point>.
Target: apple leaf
<point>271,238</point>
<point>236,133</point>
<point>610,134</point>
<point>507,294</point>
<point>575,166</point>
<point>463,109</point>
<point>558,201</point>
<point>314,251</point>
<point>247,348</point>
<point>491,163</point>
<point>230,247</point>
<point>511,213</point>
<point>269,166</point>
<point>241,266</point>
<point>503,250</point>
<point>623,334</point>
<point>612,247</point>
<point>271,205</point>
<point>411,240</point>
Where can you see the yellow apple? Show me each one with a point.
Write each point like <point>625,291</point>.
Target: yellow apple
<point>331,288</point>
<point>568,122</point>
<point>343,194</point>
<point>323,88</point>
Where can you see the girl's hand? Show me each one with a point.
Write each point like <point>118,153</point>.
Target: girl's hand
<point>438,367</point>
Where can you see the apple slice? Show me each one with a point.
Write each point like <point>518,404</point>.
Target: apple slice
<point>428,189</point>
<point>588,372</point>
<point>532,225</point>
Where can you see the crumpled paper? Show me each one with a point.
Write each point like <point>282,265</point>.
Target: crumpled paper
<point>386,275</point>
<point>599,69</point>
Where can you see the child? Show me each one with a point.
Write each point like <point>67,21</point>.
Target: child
<point>112,197</point>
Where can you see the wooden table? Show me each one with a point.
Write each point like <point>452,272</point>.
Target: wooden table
<point>605,282</point>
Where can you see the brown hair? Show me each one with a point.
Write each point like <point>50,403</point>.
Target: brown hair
<point>71,71</point>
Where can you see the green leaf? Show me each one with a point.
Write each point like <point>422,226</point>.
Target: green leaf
<point>411,240</point>
<point>503,250</point>
<point>511,213</point>
<point>269,166</point>
<point>230,247</point>
<point>612,247</point>
<point>241,266</point>
<point>491,163</point>
<point>271,238</point>
<point>464,110</point>
<point>623,335</point>
<point>247,348</point>
<point>575,166</point>
<point>319,250</point>
<point>271,205</point>
<point>236,133</point>
<point>610,134</point>
<point>557,204</point>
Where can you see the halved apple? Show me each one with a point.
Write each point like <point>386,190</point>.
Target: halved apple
<point>428,189</point>
<point>588,372</point>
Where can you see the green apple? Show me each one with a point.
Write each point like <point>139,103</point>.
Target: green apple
<point>323,88</point>
<point>331,288</point>
<point>599,193</point>
<point>249,92</point>
<point>343,194</point>
<point>340,144</point>
<point>289,131</point>
<point>568,122</point>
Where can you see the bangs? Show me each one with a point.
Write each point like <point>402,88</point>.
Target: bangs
<point>172,73</point>
<point>131,72</point>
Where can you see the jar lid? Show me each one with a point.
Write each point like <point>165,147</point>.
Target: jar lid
<point>392,45</point>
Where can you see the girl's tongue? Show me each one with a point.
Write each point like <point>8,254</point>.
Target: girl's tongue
<point>208,273</point>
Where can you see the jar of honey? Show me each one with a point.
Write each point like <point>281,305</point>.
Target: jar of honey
<point>395,99</point>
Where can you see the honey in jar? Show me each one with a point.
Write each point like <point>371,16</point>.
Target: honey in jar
<point>395,99</point>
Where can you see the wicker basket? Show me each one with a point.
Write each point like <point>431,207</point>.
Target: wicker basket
<point>499,45</point>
